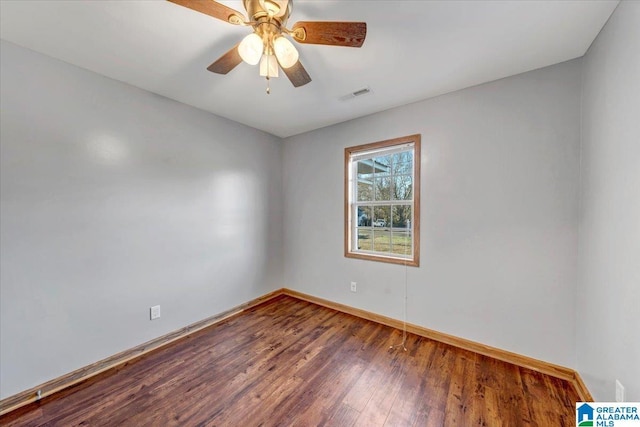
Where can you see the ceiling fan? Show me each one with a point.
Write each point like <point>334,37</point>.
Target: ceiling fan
<point>267,43</point>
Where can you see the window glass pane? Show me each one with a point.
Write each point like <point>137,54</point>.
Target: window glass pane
<point>381,240</point>
<point>365,239</point>
<point>365,190</point>
<point>401,217</point>
<point>365,169</point>
<point>381,216</point>
<point>382,188</point>
<point>382,165</point>
<point>365,213</point>
<point>403,163</point>
<point>402,187</point>
<point>401,242</point>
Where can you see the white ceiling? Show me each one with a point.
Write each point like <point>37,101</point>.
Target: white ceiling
<point>414,50</point>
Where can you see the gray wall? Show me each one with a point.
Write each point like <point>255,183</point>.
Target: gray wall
<point>114,199</point>
<point>500,173</point>
<point>608,309</point>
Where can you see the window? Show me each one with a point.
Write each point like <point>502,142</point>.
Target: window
<point>382,201</point>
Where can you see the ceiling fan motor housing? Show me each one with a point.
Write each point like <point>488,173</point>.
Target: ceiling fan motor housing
<point>259,9</point>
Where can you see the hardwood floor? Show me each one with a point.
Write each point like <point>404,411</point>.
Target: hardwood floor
<point>290,362</point>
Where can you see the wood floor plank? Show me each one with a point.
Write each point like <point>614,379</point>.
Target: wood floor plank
<point>330,385</point>
<point>511,396</point>
<point>291,362</point>
<point>403,410</point>
<point>377,410</point>
<point>343,416</point>
<point>411,400</point>
<point>360,393</point>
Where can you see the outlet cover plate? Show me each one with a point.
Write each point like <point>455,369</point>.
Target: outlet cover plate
<point>619,392</point>
<point>155,312</point>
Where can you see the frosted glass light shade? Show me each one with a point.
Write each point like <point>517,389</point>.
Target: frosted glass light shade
<point>268,66</point>
<point>250,49</point>
<point>285,51</point>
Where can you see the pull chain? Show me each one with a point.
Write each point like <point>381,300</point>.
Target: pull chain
<point>404,318</point>
<point>268,70</point>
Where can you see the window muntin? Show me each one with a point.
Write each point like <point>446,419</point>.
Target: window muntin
<point>382,201</point>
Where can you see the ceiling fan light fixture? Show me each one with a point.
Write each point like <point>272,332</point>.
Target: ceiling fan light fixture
<point>268,66</point>
<point>250,49</point>
<point>285,51</point>
<point>267,45</point>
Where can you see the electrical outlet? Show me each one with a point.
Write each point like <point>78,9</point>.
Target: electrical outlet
<point>354,286</point>
<point>155,312</point>
<point>619,392</point>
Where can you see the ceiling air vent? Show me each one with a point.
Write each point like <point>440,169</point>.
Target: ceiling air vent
<point>357,93</point>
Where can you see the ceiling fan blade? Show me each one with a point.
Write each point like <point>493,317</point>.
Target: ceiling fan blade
<point>226,62</point>
<point>297,74</point>
<point>350,34</point>
<point>212,8</point>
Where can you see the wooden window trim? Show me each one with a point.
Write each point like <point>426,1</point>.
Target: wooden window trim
<point>416,140</point>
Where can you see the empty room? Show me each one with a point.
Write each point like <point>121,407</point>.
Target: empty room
<point>309,212</point>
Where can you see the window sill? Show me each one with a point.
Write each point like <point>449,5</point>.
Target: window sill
<point>381,258</point>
